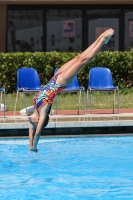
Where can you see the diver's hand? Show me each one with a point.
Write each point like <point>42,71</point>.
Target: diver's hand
<point>33,149</point>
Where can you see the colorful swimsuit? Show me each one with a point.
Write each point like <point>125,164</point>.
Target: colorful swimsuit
<point>47,94</point>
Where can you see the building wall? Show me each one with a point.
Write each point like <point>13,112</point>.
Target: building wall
<point>66,2</point>
<point>2,27</point>
<point>122,36</point>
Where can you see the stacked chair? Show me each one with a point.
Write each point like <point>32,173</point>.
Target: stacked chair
<point>28,81</point>
<point>73,87</point>
<point>100,80</point>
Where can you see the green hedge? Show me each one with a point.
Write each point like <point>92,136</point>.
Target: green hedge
<point>120,64</point>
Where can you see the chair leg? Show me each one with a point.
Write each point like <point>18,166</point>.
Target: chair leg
<point>118,101</point>
<point>90,101</point>
<point>84,104</point>
<point>4,103</point>
<point>25,103</point>
<point>86,101</point>
<point>79,101</point>
<point>16,103</point>
<point>56,105</point>
<point>114,101</point>
<point>1,98</point>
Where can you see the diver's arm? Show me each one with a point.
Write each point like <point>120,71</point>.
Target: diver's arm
<point>31,135</point>
<point>38,132</point>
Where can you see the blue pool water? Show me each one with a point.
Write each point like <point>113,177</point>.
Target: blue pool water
<point>94,168</point>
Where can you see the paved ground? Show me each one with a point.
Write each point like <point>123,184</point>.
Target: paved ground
<point>69,122</point>
<point>72,116</point>
<point>75,112</point>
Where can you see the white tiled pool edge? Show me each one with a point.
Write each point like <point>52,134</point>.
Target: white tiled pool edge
<point>72,124</point>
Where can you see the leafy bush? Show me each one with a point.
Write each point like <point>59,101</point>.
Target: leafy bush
<point>120,64</point>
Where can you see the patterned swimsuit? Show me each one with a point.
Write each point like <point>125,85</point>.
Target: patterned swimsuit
<point>47,94</point>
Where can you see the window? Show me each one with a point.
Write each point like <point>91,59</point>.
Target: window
<point>64,30</point>
<point>128,31</point>
<point>25,30</point>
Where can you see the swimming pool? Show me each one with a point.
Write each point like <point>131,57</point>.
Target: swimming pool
<point>94,168</point>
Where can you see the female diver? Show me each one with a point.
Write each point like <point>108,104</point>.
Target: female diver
<point>62,78</point>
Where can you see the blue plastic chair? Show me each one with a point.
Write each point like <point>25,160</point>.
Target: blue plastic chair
<point>72,87</point>
<point>100,80</point>
<point>2,91</point>
<point>28,81</point>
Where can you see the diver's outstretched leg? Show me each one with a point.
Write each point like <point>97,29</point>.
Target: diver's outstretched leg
<point>72,67</point>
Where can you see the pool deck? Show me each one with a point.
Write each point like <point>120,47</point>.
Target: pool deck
<point>70,123</point>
